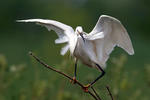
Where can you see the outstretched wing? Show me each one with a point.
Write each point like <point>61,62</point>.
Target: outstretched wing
<point>108,33</point>
<point>63,31</point>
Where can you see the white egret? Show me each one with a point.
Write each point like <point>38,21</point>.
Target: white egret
<point>91,49</point>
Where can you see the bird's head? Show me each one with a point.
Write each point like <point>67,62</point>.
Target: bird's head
<point>79,31</point>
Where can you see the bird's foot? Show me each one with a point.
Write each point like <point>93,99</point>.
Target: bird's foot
<point>74,80</point>
<point>85,88</point>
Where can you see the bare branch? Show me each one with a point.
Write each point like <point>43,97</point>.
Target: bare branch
<point>63,74</point>
<point>107,87</point>
<point>96,93</point>
<point>92,95</point>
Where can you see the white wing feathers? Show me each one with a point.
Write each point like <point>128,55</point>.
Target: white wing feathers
<point>94,36</point>
<point>122,38</point>
<point>63,31</point>
<point>64,49</point>
<point>62,39</point>
<point>108,33</point>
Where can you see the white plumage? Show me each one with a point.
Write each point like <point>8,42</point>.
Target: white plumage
<point>95,47</point>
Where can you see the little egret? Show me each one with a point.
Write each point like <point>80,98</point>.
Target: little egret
<point>91,49</point>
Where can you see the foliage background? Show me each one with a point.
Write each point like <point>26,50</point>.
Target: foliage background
<point>22,78</point>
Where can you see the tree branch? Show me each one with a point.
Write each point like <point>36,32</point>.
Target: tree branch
<point>107,87</point>
<point>96,93</point>
<point>63,74</point>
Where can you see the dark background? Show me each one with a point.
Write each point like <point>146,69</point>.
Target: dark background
<point>22,78</point>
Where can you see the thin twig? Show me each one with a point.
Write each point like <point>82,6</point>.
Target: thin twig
<point>96,93</point>
<point>92,95</point>
<point>61,73</point>
<point>107,87</point>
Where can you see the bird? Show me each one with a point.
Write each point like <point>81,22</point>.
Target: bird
<point>93,48</point>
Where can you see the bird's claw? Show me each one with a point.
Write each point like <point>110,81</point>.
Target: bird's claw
<point>85,88</point>
<point>74,80</point>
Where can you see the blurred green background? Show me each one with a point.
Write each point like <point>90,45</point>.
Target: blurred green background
<point>22,78</point>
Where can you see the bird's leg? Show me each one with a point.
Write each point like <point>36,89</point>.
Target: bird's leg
<point>100,76</point>
<point>75,72</point>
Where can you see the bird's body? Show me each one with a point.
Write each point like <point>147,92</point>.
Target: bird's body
<point>80,53</point>
<point>92,49</point>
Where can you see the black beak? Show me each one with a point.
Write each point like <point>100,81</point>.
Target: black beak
<point>82,36</point>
